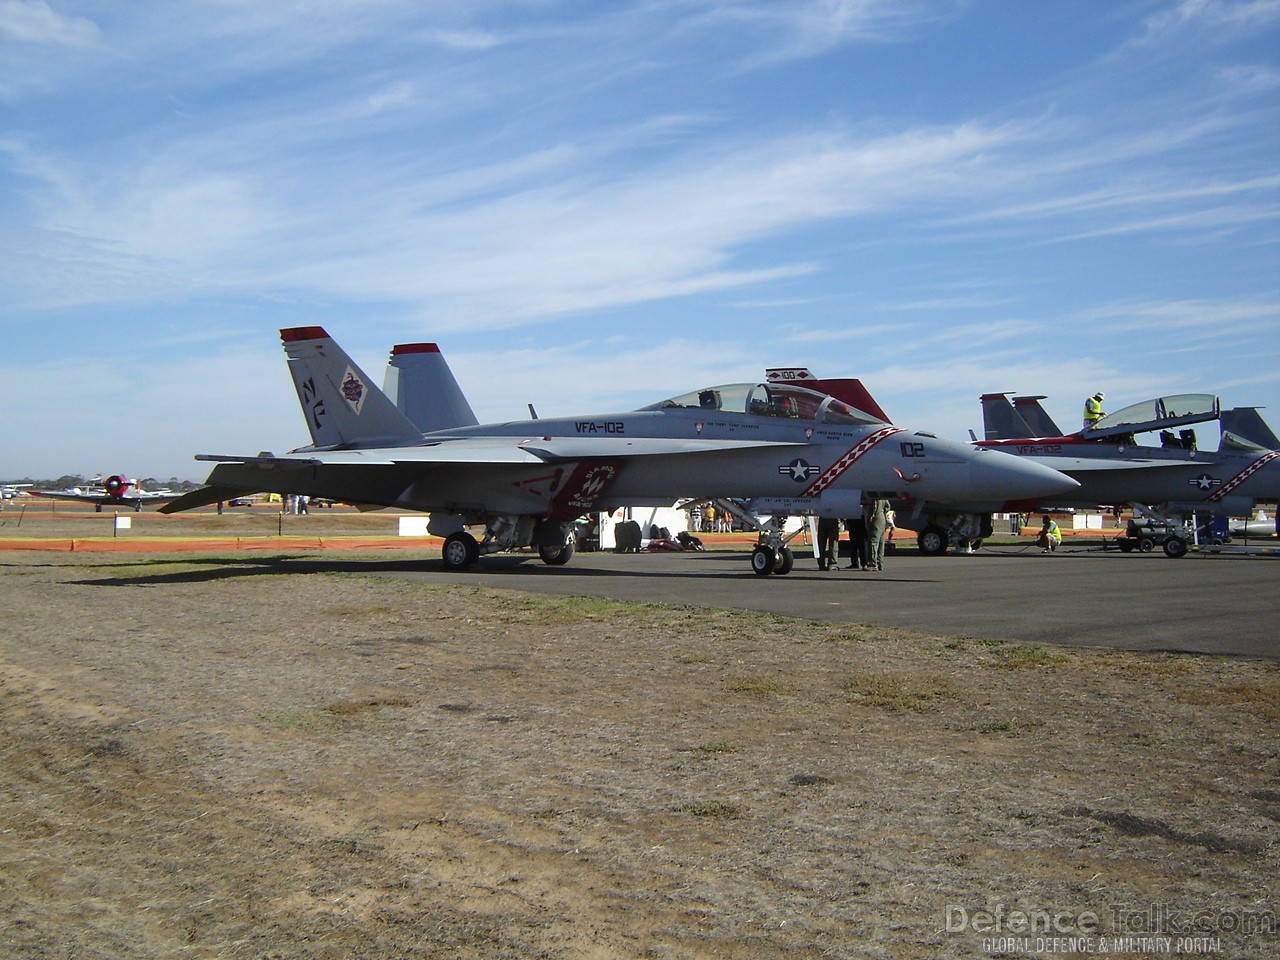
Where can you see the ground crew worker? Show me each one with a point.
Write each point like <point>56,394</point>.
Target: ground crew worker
<point>828,543</point>
<point>877,513</point>
<point>1093,409</point>
<point>1050,535</point>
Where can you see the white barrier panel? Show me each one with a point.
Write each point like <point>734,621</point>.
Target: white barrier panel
<point>124,523</point>
<point>1086,521</point>
<point>413,527</point>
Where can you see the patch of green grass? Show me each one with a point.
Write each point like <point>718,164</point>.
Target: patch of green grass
<point>718,747</point>
<point>860,633</point>
<point>1010,725</point>
<point>1023,656</point>
<point>759,686</point>
<point>899,691</point>
<point>154,568</point>
<point>711,809</point>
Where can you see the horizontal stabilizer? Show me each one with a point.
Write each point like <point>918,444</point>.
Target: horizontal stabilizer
<point>261,459</point>
<point>203,497</point>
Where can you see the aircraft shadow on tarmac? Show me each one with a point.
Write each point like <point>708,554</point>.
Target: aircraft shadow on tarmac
<point>500,566</point>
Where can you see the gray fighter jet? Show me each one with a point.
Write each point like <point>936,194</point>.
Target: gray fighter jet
<point>1172,481</point>
<point>779,447</point>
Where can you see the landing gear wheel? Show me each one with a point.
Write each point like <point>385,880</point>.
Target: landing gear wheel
<point>556,556</point>
<point>460,551</point>
<point>786,560</point>
<point>763,560</point>
<point>1175,547</point>
<point>932,541</point>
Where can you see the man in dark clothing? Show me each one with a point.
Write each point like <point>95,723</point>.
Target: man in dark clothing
<point>859,554</point>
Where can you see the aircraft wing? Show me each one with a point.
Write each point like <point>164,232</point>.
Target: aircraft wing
<point>144,496</point>
<point>203,497</point>
<point>499,450</point>
<point>58,495</point>
<point>575,448</point>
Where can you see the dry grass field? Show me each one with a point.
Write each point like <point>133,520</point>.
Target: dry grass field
<point>226,758</point>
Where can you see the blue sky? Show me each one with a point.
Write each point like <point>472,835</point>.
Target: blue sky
<point>592,206</point>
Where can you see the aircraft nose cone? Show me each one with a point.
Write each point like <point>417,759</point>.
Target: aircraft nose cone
<point>1018,479</point>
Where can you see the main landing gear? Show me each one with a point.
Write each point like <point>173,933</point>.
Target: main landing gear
<point>554,540</point>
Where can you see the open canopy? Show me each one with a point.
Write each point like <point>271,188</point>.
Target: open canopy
<point>784,400</point>
<point>1162,413</point>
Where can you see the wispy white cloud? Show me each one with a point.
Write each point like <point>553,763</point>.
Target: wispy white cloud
<point>808,28</point>
<point>1212,15</point>
<point>35,22</point>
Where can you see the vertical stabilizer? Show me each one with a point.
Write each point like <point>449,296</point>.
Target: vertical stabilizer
<point>1000,421</point>
<point>1034,416</point>
<point>423,387</point>
<point>343,408</point>
<point>1245,423</point>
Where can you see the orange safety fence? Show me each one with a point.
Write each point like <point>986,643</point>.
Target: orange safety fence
<point>203,545</point>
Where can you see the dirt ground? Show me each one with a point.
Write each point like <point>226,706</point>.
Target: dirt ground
<point>230,757</point>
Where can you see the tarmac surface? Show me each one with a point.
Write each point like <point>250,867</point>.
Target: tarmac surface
<point>1225,603</point>
<point>1201,603</point>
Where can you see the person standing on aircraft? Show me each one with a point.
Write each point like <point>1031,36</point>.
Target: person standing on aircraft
<point>1050,535</point>
<point>1093,409</point>
<point>828,543</point>
<point>877,526</point>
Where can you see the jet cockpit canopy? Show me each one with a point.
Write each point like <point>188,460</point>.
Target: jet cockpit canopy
<point>1159,414</point>
<point>782,400</point>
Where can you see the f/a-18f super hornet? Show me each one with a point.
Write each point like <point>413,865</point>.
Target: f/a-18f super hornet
<point>1173,480</point>
<point>113,491</point>
<point>780,447</point>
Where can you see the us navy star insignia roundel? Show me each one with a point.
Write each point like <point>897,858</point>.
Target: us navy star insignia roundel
<point>799,470</point>
<point>1204,482</point>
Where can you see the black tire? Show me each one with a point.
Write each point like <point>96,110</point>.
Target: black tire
<point>786,560</point>
<point>1126,545</point>
<point>763,560</point>
<point>556,556</point>
<point>1175,547</point>
<point>932,541</point>
<point>1146,545</point>
<point>460,551</point>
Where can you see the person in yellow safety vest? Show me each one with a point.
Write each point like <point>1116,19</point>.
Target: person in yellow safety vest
<point>1050,535</point>
<point>1093,409</point>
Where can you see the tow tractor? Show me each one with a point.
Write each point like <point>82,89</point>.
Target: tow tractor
<point>1151,532</point>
